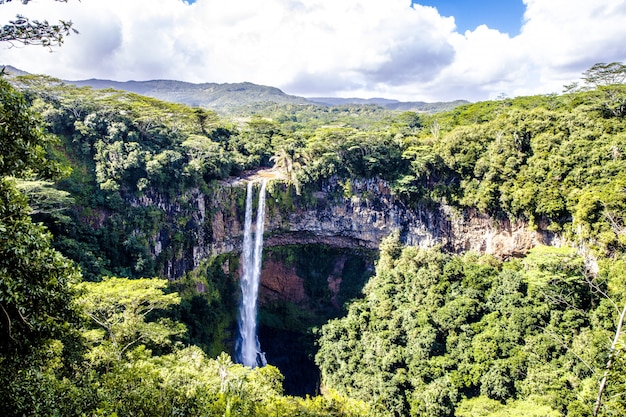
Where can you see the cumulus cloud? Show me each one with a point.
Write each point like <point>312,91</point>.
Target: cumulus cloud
<point>360,48</point>
<point>563,37</point>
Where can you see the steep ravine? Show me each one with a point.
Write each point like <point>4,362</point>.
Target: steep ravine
<point>302,287</point>
<point>319,251</point>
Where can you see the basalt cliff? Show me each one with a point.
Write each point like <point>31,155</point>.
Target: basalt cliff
<point>341,214</point>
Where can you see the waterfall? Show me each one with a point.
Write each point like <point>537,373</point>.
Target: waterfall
<point>249,349</point>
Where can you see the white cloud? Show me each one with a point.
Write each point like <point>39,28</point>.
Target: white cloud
<point>565,37</point>
<point>326,47</point>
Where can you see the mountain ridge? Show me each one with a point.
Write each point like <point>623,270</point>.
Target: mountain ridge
<point>226,96</point>
<point>210,95</point>
<point>389,104</point>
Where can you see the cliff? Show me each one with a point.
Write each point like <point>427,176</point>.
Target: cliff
<point>354,214</point>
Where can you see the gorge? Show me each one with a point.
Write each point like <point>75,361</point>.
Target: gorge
<point>320,249</point>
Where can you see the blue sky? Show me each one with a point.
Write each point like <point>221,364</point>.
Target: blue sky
<point>504,15</point>
<point>433,50</point>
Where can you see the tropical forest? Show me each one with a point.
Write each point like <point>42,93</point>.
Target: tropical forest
<point>465,259</point>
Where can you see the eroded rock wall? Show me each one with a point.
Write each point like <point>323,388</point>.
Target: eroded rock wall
<point>347,215</point>
<point>369,212</point>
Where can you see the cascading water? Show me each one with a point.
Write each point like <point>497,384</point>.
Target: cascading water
<point>249,348</point>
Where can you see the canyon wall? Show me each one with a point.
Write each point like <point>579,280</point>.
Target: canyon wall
<point>358,213</point>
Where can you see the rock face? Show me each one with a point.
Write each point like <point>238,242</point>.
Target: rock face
<point>179,258</point>
<point>370,213</point>
<point>281,282</point>
<point>347,215</point>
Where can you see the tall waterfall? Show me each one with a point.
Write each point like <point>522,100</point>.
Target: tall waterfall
<point>249,349</point>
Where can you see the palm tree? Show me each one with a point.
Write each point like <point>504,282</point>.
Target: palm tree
<point>283,161</point>
<point>289,162</point>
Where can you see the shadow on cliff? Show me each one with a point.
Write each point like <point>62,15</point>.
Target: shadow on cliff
<point>303,287</point>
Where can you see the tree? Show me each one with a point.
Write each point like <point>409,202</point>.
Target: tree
<point>206,157</point>
<point>35,280</point>
<point>289,161</point>
<point>37,312</point>
<point>609,80</point>
<point>23,142</point>
<point>115,160</point>
<point>35,32</point>
<point>611,385</point>
<point>609,363</point>
<point>602,74</point>
<point>260,135</point>
<point>45,199</point>
<point>35,290</point>
<point>119,309</point>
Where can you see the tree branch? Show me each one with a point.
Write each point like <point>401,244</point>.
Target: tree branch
<point>8,320</point>
<point>609,363</point>
<point>34,32</point>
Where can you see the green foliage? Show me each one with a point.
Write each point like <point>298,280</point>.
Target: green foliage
<point>351,153</point>
<point>23,142</point>
<point>432,334</point>
<point>35,293</point>
<point>46,200</point>
<point>207,158</point>
<point>119,374</point>
<point>443,335</point>
<point>38,315</point>
<point>119,311</point>
<point>484,407</point>
<point>208,304</point>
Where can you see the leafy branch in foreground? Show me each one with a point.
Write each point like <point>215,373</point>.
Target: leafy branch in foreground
<point>35,32</point>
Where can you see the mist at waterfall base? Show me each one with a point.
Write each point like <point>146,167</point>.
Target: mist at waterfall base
<point>248,348</point>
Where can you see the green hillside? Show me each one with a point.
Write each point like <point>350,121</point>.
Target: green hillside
<point>210,95</point>
<point>244,98</point>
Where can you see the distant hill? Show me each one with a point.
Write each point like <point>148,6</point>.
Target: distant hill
<point>211,95</point>
<point>338,101</point>
<point>8,69</point>
<point>229,97</point>
<point>418,106</point>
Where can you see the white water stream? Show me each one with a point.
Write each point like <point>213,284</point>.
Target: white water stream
<point>249,348</point>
